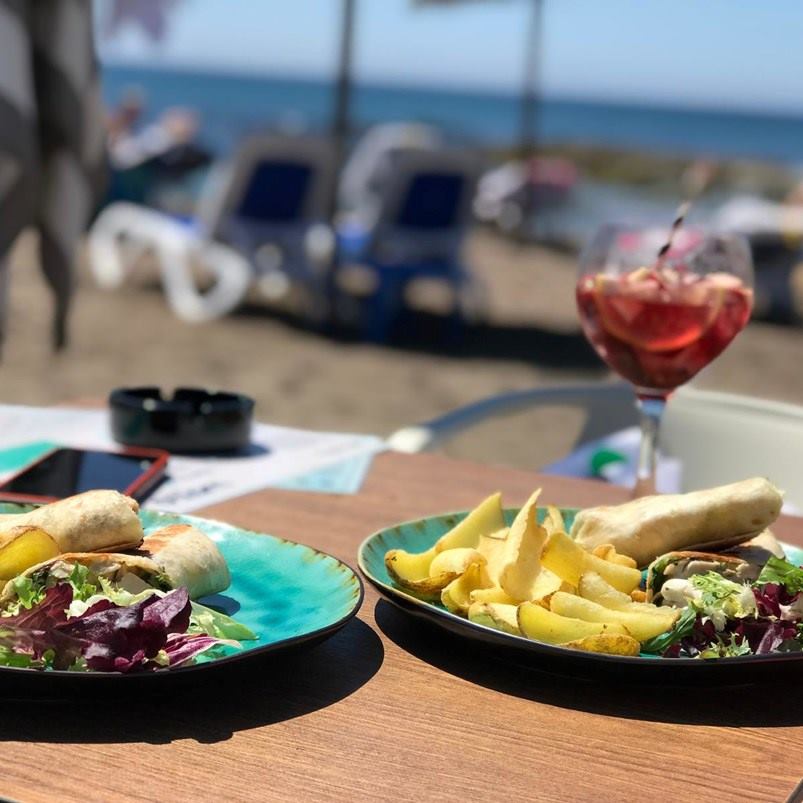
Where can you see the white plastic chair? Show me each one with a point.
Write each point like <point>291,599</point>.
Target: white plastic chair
<point>719,437</point>
<point>232,227</point>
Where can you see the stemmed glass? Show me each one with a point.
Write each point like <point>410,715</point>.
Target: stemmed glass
<point>658,321</point>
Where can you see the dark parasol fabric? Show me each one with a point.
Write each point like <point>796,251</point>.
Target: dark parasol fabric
<point>52,142</point>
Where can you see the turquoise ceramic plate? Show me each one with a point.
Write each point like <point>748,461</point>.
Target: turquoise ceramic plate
<point>417,536</point>
<point>287,593</point>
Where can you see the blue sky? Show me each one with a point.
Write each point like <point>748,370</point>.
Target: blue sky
<point>730,53</point>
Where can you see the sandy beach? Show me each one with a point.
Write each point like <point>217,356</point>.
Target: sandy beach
<point>304,379</point>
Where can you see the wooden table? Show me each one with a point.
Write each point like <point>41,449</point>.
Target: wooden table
<point>390,709</point>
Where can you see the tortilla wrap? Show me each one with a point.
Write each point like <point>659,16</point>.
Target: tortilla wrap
<point>175,556</point>
<point>188,558</point>
<point>654,525</point>
<point>111,565</point>
<point>89,522</point>
<point>685,564</point>
<point>758,550</point>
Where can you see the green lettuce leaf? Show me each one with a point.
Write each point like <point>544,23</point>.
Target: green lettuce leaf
<point>782,572</point>
<point>727,649</point>
<point>28,594</point>
<point>213,623</point>
<point>79,580</point>
<point>722,599</point>
<point>683,626</point>
<point>110,592</point>
<point>10,658</point>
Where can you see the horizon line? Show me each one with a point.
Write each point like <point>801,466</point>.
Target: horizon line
<point>669,103</point>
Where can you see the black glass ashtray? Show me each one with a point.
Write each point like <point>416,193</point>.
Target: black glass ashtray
<point>193,420</point>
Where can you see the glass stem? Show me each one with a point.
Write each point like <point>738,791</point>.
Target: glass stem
<point>651,409</point>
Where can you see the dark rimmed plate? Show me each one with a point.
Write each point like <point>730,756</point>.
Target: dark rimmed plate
<point>289,594</point>
<point>417,536</point>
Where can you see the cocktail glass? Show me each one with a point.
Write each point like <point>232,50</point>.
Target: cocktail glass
<point>658,322</point>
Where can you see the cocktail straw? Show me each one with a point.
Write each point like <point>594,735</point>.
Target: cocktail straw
<point>677,223</point>
<point>696,180</point>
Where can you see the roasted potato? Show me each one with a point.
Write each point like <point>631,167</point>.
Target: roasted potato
<point>414,573</point>
<point>569,560</point>
<point>594,588</point>
<point>610,643</point>
<point>492,548</point>
<point>486,518</point>
<point>406,566</point>
<point>540,624</point>
<point>459,594</point>
<point>22,547</point>
<point>491,594</point>
<point>411,572</point>
<point>521,558</point>
<point>641,626</point>
<point>553,521</point>
<point>608,552</point>
<point>454,561</point>
<point>496,615</point>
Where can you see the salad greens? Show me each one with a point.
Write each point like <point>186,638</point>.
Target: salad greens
<point>724,618</point>
<point>783,573</point>
<point>71,619</point>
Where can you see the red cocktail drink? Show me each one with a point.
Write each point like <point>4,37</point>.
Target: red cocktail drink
<point>657,327</point>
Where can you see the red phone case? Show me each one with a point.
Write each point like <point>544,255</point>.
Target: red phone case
<point>141,485</point>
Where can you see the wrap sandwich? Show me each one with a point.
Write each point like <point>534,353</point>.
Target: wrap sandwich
<point>668,574</point>
<point>701,520</point>
<point>172,557</point>
<point>88,522</point>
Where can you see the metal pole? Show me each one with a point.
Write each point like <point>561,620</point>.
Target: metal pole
<point>528,134</point>
<point>530,89</point>
<point>340,117</point>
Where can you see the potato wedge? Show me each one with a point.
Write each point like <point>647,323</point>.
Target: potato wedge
<point>563,557</point>
<point>553,522</point>
<point>540,624</point>
<point>492,548</point>
<point>569,560</point>
<point>608,552</point>
<point>454,561</point>
<point>486,518</point>
<point>410,572</point>
<point>521,561</point>
<point>548,583</point>
<point>22,547</point>
<point>405,566</point>
<point>496,615</point>
<point>491,594</point>
<point>641,626</point>
<point>458,595</point>
<point>609,643</point>
<point>596,589</point>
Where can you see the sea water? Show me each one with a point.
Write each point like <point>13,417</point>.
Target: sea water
<point>230,105</point>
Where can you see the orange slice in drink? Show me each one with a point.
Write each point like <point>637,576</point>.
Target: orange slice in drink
<point>654,320</point>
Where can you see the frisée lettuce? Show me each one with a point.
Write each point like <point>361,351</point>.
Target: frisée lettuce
<point>72,619</point>
<point>723,618</point>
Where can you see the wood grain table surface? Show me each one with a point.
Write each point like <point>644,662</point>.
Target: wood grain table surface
<point>393,709</point>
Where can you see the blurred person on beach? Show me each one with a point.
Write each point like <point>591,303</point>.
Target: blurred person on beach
<point>131,144</point>
<point>145,158</point>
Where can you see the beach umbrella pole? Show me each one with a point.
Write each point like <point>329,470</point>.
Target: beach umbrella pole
<point>529,104</point>
<point>340,118</point>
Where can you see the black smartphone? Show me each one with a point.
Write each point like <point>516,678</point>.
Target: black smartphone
<point>65,472</point>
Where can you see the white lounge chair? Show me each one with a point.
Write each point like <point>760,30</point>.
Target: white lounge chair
<point>254,223</point>
<point>719,437</point>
